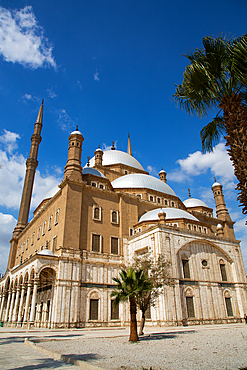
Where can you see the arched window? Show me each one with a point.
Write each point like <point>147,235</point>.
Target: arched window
<point>96,213</point>
<point>186,268</point>
<point>114,217</point>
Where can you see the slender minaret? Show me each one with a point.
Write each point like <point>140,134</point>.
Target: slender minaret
<point>73,169</point>
<point>98,157</point>
<point>221,210</point>
<point>31,165</point>
<point>129,150</point>
<point>162,175</point>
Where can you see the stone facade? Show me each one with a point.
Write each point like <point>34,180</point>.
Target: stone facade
<point>62,262</point>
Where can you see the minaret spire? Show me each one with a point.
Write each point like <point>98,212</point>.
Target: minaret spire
<point>129,150</point>
<point>31,165</point>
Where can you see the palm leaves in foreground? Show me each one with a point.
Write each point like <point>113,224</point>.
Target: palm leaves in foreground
<point>217,77</point>
<point>130,285</point>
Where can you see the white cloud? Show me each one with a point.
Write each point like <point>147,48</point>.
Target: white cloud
<point>7,225</point>
<point>22,39</point>
<point>218,162</point>
<point>9,140</point>
<point>96,76</point>
<point>12,173</point>
<point>152,170</point>
<point>64,120</point>
<point>79,84</point>
<point>51,93</point>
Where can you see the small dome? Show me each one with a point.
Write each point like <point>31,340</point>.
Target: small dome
<point>76,132</point>
<point>171,213</point>
<point>116,156</point>
<point>52,192</point>
<point>142,181</point>
<point>193,202</point>
<point>162,171</point>
<point>216,184</point>
<point>46,252</point>
<point>219,226</point>
<point>92,171</point>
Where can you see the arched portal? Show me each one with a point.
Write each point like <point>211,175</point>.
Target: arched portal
<point>44,301</point>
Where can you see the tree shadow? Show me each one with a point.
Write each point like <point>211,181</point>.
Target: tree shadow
<point>165,335</point>
<point>17,339</point>
<point>53,364</point>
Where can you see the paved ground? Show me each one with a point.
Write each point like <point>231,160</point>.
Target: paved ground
<point>196,347</point>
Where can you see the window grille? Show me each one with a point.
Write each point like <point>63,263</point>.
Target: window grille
<point>190,307</point>
<point>186,269</point>
<point>229,307</point>
<point>223,271</point>
<point>95,243</point>
<point>93,312</point>
<point>114,311</point>
<point>114,245</point>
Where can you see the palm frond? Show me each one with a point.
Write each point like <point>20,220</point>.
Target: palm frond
<point>211,133</point>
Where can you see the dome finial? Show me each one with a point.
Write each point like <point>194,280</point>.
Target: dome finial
<point>189,193</point>
<point>88,159</point>
<point>215,179</point>
<point>129,150</point>
<point>77,128</point>
<point>113,146</point>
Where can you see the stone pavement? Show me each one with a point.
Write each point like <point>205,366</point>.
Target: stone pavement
<point>14,354</point>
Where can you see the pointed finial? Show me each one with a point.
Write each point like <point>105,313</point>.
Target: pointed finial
<point>215,179</point>
<point>88,159</point>
<point>99,146</point>
<point>76,127</point>
<point>189,193</point>
<point>40,114</point>
<point>161,168</point>
<point>113,146</point>
<point>129,150</point>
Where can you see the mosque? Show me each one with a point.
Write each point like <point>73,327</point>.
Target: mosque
<point>62,262</point>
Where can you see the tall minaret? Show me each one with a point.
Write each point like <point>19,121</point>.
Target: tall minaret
<point>129,150</point>
<point>31,165</point>
<point>73,169</point>
<point>221,210</point>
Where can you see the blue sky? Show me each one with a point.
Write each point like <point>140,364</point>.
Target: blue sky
<point>109,67</point>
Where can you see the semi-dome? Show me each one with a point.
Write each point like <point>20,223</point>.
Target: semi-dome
<point>46,252</point>
<point>171,213</point>
<point>92,171</point>
<point>116,156</point>
<point>193,202</point>
<point>52,192</point>
<point>142,181</point>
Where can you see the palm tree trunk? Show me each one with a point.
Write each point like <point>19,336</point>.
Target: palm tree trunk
<point>235,117</point>
<point>133,323</point>
<point>142,323</point>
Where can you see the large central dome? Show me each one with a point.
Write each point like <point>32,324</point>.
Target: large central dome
<point>142,181</point>
<point>111,157</point>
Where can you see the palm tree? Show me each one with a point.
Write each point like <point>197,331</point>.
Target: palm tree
<point>130,285</point>
<point>217,78</point>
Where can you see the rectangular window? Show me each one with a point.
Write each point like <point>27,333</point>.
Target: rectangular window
<point>114,245</point>
<point>93,312</point>
<point>23,247</point>
<point>38,234</point>
<point>43,228</point>
<point>151,198</point>
<point>190,307</point>
<point>49,223</point>
<point>186,269</point>
<point>114,311</point>
<point>27,244</point>
<point>56,217</point>
<point>54,244</point>
<point>32,238</point>
<point>94,184</point>
<point>223,272</point>
<point>95,243</point>
<point>131,232</point>
<point>229,307</point>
